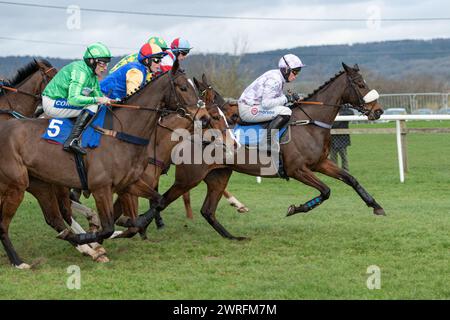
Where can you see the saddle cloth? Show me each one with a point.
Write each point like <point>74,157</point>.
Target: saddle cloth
<point>254,134</point>
<point>59,130</point>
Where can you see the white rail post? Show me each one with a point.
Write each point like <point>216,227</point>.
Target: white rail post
<point>400,150</point>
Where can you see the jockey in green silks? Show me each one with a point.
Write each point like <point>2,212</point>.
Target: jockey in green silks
<point>75,92</point>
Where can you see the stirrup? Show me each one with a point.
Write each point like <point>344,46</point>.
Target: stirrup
<point>75,146</point>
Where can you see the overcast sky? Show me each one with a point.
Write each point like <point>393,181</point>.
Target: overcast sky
<point>126,33</point>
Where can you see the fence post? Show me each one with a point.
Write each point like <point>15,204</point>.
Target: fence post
<point>400,151</point>
<point>404,145</point>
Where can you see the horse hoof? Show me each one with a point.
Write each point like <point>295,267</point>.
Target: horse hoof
<point>291,210</point>
<point>241,238</point>
<point>116,234</point>
<point>102,259</point>
<point>100,250</point>
<point>23,266</point>
<point>143,234</point>
<point>160,227</point>
<point>379,212</point>
<point>243,210</point>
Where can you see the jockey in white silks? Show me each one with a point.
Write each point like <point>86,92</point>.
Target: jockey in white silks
<point>264,100</point>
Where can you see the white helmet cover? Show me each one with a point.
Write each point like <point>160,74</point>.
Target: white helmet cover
<point>292,61</point>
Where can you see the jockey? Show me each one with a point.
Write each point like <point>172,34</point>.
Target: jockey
<point>134,57</point>
<point>75,92</point>
<point>132,76</point>
<point>263,100</point>
<point>168,61</point>
<point>180,47</point>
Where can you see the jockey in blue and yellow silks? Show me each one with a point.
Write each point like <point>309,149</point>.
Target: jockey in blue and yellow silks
<point>133,75</point>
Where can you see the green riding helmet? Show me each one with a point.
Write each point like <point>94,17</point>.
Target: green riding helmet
<point>97,51</point>
<point>159,42</point>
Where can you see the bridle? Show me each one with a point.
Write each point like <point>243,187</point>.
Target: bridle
<point>46,79</point>
<point>361,100</point>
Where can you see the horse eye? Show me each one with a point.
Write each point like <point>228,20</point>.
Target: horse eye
<point>216,118</point>
<point>361,84</point>
<point>183,88</point>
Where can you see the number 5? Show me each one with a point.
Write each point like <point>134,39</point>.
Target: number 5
<point>54,125</point>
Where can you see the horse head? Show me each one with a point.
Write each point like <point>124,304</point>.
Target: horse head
<point>360,96</point>
<point>46,73</point>
<point>183,97</point>
<point>215,105</point>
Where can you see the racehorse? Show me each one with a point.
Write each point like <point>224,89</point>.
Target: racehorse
<point>230,111</point>
<point>111,168</point>
<point>160,159</point>
<point>305,153</point>
<point>19,98</point>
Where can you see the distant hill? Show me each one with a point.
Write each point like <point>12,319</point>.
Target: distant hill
<point>392,60</point>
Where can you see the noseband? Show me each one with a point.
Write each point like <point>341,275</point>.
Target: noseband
<point>362,100</point>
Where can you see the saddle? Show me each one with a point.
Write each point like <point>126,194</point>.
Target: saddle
<point>253,136</point>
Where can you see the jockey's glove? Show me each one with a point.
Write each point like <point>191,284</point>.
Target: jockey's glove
<point>292,97</point>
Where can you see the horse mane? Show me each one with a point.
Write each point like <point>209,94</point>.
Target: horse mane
<point>26,71</point>
<point>325,84</point>
<point>147,82</point>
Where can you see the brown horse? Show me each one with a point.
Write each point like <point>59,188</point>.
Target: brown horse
<point>111,168</point>
<point>160,159</point>
<point>305,153</point>
<point>231,114</point>
<point>19,98</point>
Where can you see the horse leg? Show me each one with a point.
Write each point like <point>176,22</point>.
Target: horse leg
<point>53,206</point>
<point>104,202</point>
<point>91,216</point>
<point>240,207</point>
<point>187,205</point>
<point>8,206</point>
<point>307,177</point>
<point>216,181</point>
<point>145,190</point>
<point>330,169</point>
<point>128,208</point>
<point>78,208</point>
<point>65,206</point>
<point>158,219</point>
<point>174,192</point>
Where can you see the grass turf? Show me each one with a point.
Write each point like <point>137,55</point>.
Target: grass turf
<point>321,255</point>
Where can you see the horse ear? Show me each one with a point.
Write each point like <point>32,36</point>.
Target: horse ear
<point>196,83</point>
<point>176,66</point>
<point>346,67</point>
<point>204,79</point>
<point>356,67</point>
<point>39,63</point>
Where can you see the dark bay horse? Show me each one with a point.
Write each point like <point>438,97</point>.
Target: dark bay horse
<point>111,168</point>
<point>305,153</point>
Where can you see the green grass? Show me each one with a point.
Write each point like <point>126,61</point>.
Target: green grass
<point>322,255</point>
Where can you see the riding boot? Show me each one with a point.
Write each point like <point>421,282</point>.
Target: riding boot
<point>277,123</point>
<point>73,141</point>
